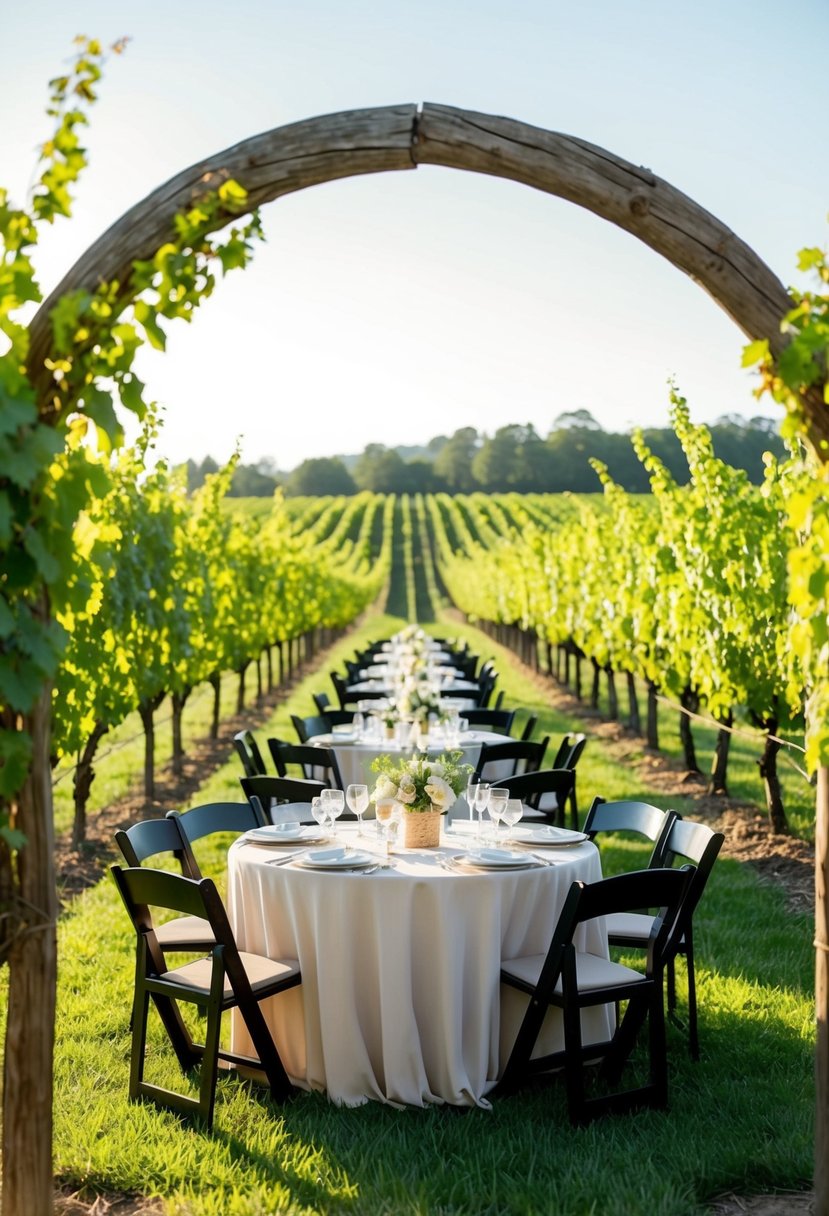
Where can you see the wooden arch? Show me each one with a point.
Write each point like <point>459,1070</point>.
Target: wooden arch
<point>386,138</point>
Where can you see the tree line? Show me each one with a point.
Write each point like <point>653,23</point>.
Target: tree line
<point>514,458</point>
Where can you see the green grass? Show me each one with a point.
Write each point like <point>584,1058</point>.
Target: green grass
<point>740,1119</point>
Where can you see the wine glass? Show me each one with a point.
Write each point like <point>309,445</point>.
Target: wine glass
<point>358,725</point>
<point>481,802</point>
<point>511,813</point>
<point>357,798</point>
<point>498,799</point>
<point>388,818</point>
<point>471,790</point>
<point>333,802</point>
<point>320,813</point>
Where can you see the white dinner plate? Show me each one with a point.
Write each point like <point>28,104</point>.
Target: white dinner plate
<point>343,733</point>
<point>284,833</point>
<point>494,859</point>
<point>549,835</point>
<point>335,859</point>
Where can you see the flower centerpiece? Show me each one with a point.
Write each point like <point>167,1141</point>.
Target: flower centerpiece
<point>418,701</point>
<point>389,716</point>
<point>424,788</point>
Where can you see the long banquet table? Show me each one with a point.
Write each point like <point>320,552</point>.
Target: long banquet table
<point>400,1000</point>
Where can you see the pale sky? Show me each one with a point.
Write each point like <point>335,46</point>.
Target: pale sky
<point>395,307</point>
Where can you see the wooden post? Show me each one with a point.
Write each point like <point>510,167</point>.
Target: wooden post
<point>30,1028</point>
<point>822,994</point>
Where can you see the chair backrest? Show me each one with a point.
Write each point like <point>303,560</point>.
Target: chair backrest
<point>640,817</point>
<point>527,732</point>
<point>517,756</point>
<point>468,664</point>
<point>321,701</point>
<point>339,688</point>
<point>152,838</point>
<point>494,719</point>
<point>352,699</point>
<point>201,821</point>
<point>698,843</point>
<point>486,685</point>
<point>319,724</point>
<point>569,751</point>
<point>249,753</point>
<point>660,889</point>
<point>310,758</point>
<point>338,717</point>
<point>531,788</point>
<point>306,728</point>
<point>268,791</point>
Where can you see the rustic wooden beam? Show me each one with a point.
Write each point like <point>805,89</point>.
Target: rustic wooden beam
<point>270,165</point>
<point>628,195</point>
<point>353,142</point>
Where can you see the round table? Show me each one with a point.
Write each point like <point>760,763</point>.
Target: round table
<point>354,757</point>
<point>400,999</point>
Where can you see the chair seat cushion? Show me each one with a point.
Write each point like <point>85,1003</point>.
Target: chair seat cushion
<point>261,972</point>
<point>183,931</point>
<point>631,926</point>
<point>591,971</point>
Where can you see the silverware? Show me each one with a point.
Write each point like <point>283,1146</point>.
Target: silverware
<point>282,861</point>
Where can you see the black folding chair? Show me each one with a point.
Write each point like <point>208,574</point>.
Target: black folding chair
<point>249,753</point>
<point>310,758</point>
<point>544,793</point>
<point>306,728</point>
<point>515,756</point>
<point>573,980</point>
<point>568,755</point>
<point>499,720</point>
<point>153,838</point>
<point>225,979</point>
<point>700,844</point>
<point>268,793</point>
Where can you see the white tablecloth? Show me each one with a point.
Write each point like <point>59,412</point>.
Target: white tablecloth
<point>385,671</point>
<point>354,759</point>
<point>386,689</point>
<point>400,998</point>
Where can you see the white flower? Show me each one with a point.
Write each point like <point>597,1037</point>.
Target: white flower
<point>385,788</point>
<point>440,794</point>
<point>406,791</point>
<point>437,770</point>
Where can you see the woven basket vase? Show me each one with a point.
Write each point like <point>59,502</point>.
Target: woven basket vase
<point>421,829</point>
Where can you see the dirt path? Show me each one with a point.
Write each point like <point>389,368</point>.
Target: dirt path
<point>783,860</point>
